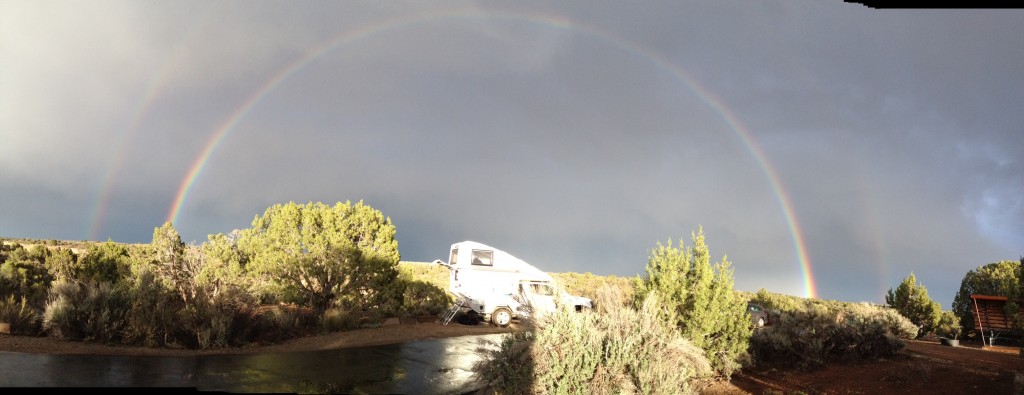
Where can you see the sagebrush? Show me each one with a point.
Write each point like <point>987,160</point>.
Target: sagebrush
<point>611,350</point>
<point>810,332</point>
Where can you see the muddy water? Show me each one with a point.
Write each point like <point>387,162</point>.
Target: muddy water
<point>436,366</point>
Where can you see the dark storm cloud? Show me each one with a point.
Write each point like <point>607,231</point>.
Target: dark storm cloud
<point>562,133</point>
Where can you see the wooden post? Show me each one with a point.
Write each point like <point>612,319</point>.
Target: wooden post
<point>1020,305</point>
<point>977,315</point>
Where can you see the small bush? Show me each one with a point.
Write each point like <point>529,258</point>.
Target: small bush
<point>93,311</point>
<point>153,319</point>
<point>809,337</point>
<point>274,323</point>
<point>508,367</point>
<point>338,319</point>
<point>220,320</point>
<point>24,275</point>
<point>423,298</point>
<point>23,318</point>
<point>427,272</point>
<point>615,349</point>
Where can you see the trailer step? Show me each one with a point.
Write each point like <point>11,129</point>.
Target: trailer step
<point>454,310</point>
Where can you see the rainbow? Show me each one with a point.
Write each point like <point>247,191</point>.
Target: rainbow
<point>155,89</point>
<point>103,198</point>
<point>716,104</point>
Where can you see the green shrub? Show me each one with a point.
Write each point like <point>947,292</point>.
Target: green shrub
<point>338,319</point>
<point>274,323</point>
<point>699,300</point>
<point>507,367</point>
<point>430,273</point>
<point>615,349</point>
<point>911,300</point>
<point>774,302</point>
<point>998,279</point>
<point>106,262</point>
<point>24,319</point>
<point>219,320</point>
<point>24,274</point>
<point>92,311</point>
<point>423,298</point>
<point>810,336</point>
<point>324,256</point>
<point>153,319</point>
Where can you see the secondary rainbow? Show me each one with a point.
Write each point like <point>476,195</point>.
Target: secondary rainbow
<point>716,104</point>
<point>156,88</point>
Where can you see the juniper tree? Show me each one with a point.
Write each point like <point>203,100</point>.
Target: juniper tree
<point>911,300</point>
<point>698,299</point>
<point>999,279</point>
<point>320,255</point>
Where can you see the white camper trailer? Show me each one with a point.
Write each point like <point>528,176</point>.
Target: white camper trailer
<point>492,285</point>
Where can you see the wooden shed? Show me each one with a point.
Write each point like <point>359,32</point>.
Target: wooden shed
<point>990,316</point>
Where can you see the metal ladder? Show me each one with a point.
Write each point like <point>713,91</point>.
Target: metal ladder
<point>452,311</point>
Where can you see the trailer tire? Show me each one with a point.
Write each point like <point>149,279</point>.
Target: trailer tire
<point>501,317</point>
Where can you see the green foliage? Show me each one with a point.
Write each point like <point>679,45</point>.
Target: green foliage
<point>615,349</point>
<point>176,263</point>
<point>807,333</point>
<point>997,279</point>
<point>105,262</point>
<point>321,256</point>
<point>337,319</point>
<point>224,265</point>
<point>423,288</point>
<point>220,319</point>
<point>24,275</point>
<point>911,299</point>
<point>62,263</point>
<point>507,367</point>
<point>949,326</point>
<point>153,316</point>
<point>23,318</point>
<point>422,298</point>
<point>779,302</point>
<point>86,311</point>
<point>698,298</point>
<point>427,272</point>
<point>283,321</point>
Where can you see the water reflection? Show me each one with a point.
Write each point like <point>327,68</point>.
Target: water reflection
<point>436,366</point>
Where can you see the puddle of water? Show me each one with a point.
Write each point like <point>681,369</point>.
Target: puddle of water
<point>435,366</point>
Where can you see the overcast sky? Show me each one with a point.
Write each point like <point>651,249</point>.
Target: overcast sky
<point>860,144</point>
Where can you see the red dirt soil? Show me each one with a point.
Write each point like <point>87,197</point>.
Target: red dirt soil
<point>923,367</point>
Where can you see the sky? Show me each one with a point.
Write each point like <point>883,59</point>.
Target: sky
<point>824,148</point>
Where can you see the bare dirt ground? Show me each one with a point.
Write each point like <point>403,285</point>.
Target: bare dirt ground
<point>923,367</point>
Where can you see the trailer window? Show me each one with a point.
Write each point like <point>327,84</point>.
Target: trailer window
<point>454,259</point>
<point>542,289</point>
<point>483,258</point>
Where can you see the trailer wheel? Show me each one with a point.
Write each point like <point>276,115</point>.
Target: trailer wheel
<point>501,317</point>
